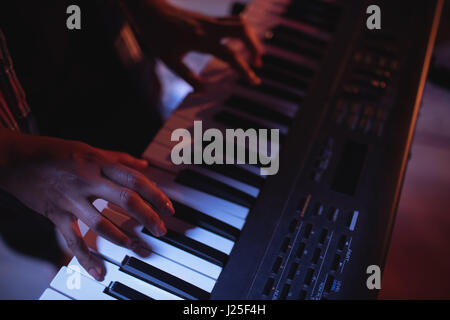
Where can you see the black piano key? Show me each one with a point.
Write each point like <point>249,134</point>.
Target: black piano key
<point>204,221</point>
<point>300,36</point>
<point>258,110</point>
<point>322,14</point>
<point>285,291</point>
<point>238,173</point>
<point>122,292</point>
<point>317,6</point>
<point>296,45</point>
<point>319,14</point>
<point>247,153</point>
<point>288,65</point>
<point>310,18</point>
<point>284,77</point>
<point>238,8</point>
<point>213,187</point>
<point>162,279</point>
<point>233,121</point>
<point>198,249</point>
<point>318,21</point>
<point>290,95</point>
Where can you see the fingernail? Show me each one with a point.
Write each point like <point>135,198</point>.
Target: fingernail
<point>138,243</point>
<point>128,243</point>
<point>253,78</point>
<point>169,207</point>
<point>134,245</point>
<point>256,80</point>
<point>143,252</point>
<point>96,273</point>
<point>162,228</point>
<point>141,248</point>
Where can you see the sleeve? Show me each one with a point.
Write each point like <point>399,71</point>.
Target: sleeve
<point>13,105</point>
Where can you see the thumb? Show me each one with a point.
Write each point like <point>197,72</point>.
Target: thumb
<point>68,226</point>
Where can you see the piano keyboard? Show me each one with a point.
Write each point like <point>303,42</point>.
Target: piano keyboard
<point>310,231</point>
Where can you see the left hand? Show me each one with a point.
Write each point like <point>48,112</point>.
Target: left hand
<point>170,33</point>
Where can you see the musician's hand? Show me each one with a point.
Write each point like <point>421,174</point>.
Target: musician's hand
<point>170,33</point>
<point>60,179</point>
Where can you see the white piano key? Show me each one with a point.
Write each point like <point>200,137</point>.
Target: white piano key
<point>50,294</point>
<point>182,257</point>
<point>117,254</point>
<point>190,196</point>
<point>160,155</point>
<point>114,274</point>
<point>183,197</point>
<point>120,218</point>
<point>77,286</point>
<point>238,185</point>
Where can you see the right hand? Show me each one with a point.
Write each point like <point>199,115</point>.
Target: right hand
<point>60,179</point>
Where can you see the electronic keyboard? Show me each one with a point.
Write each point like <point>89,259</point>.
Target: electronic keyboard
<point>345,99</point>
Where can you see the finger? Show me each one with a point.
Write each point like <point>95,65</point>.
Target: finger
<point>102,226</point>
<point>130,226</point>
<point>252,42</point>
<point>236,27</point>
<point>129,160</point>
<point>68,226</point>
<point>237,62</point>
<point>132,202</point>
<point>185,73</point>
<point>136,181</point>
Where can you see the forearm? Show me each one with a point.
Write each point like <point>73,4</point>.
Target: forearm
<point>9,143</point>
<point>16,150</point>
<point>7,138</point>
